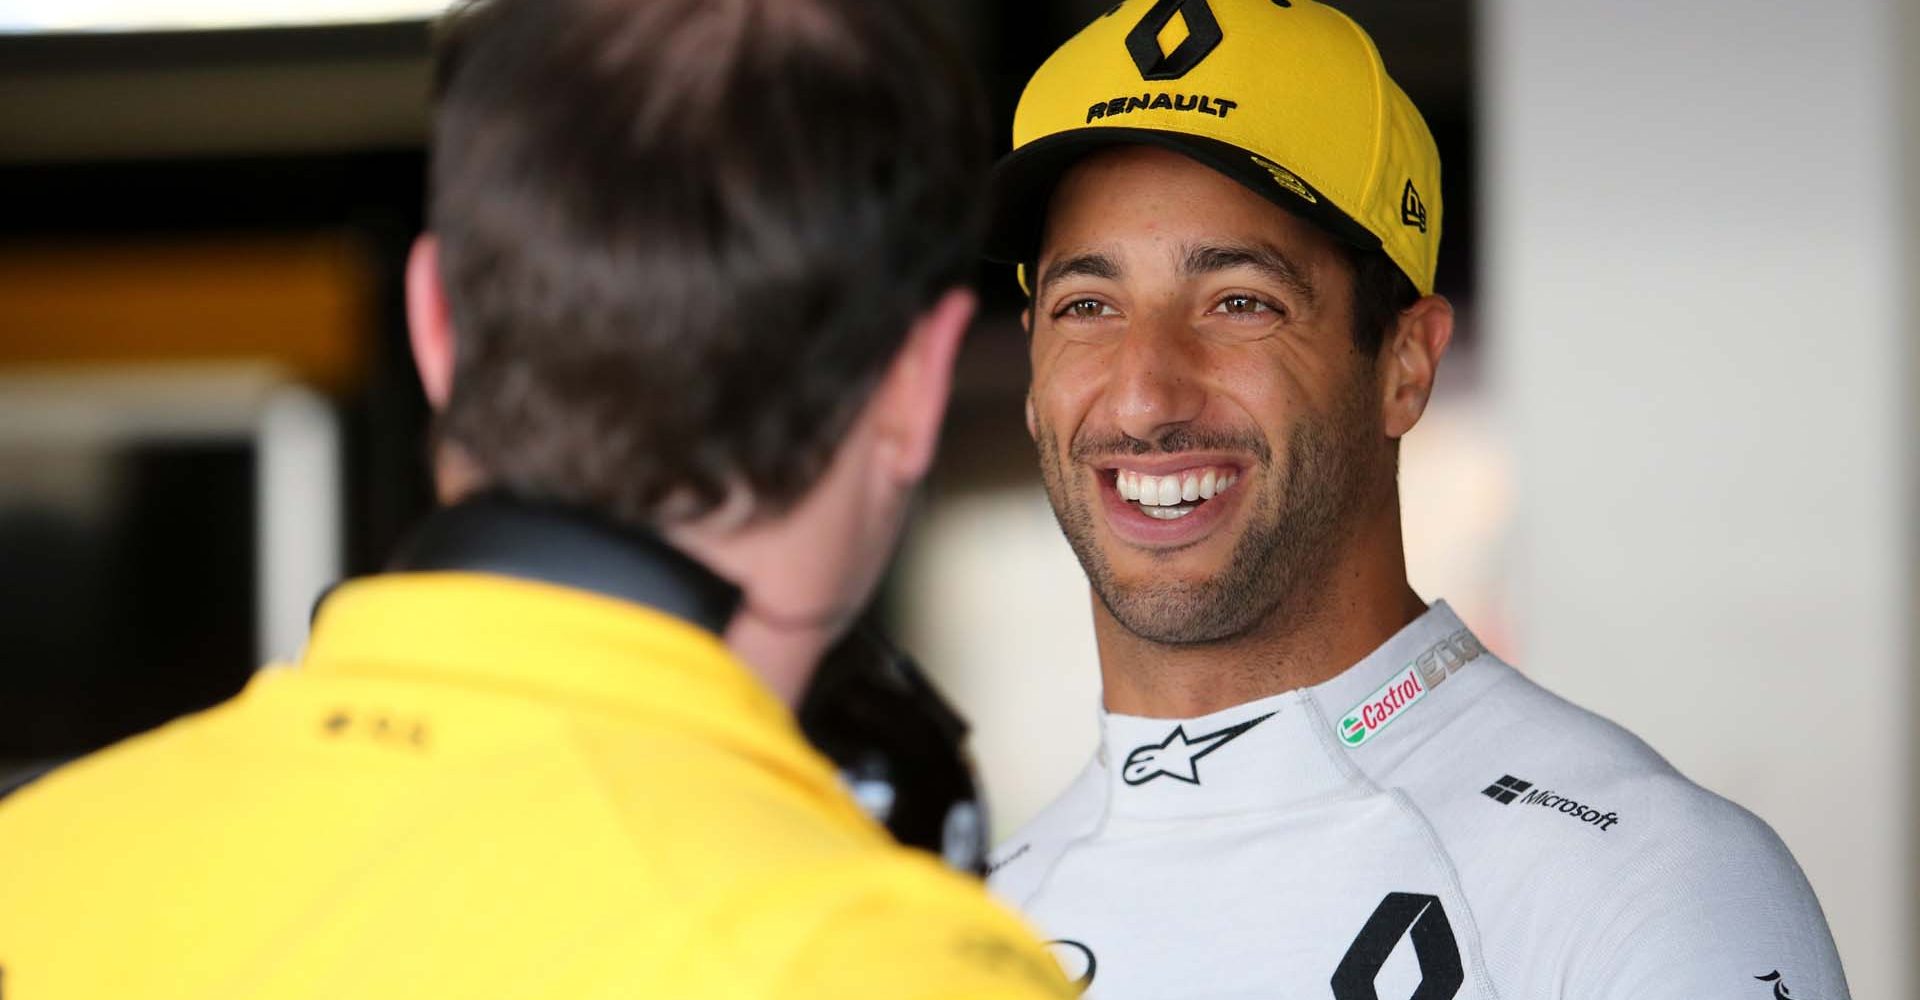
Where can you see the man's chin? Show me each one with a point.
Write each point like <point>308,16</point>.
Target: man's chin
<point>1174,613</point>
<point>1196,568</point>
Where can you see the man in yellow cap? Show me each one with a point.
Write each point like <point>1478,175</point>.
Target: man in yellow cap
<point>688,314</point>
<point>1311,782</point>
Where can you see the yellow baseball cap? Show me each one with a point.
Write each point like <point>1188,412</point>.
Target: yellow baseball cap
<point>1288,97</point>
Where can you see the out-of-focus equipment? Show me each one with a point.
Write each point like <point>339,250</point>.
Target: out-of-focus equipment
<point>164,527</point>
<point>900,747</point>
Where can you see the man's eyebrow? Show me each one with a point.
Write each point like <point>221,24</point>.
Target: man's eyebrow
<point>1208,258</point>
<point>1092,264</point>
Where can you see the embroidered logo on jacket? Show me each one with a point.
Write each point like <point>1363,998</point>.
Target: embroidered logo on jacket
<point>1178,757</point>
<point>1399,693</point>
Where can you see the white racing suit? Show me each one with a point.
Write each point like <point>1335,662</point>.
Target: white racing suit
<point>1428,825</point>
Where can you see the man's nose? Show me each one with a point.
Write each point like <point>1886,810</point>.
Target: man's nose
<point>1156,380</point>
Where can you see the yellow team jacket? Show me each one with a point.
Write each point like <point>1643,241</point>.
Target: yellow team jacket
<point>475,786</point>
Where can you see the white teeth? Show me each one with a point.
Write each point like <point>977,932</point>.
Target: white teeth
<point>1167,513</point>
<point>1171,491</point>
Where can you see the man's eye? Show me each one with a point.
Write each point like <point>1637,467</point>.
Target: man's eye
<point>1085,309</point>
<point>1242,305</point>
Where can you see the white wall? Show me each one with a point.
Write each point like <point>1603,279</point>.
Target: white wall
<point>1694,289</point>
<point>996,608</point>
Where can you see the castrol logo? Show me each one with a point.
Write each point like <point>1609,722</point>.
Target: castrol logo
<point>1392,699</point>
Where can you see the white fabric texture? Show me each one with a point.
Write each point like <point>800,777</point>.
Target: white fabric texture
<point>1429,824</point>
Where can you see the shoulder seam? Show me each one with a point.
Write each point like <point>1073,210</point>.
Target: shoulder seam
<point>1476,957</point>
<point>1445,860</point>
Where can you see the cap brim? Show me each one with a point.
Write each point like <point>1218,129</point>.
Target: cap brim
<point>1024,180</point>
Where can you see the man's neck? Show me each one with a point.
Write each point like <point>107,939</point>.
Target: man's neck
<point>783,653</point>
<point>1359,606</point>
<point>783,650</point>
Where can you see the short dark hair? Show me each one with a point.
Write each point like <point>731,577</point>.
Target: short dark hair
<point>682,239</point>
<point>1381,292</point>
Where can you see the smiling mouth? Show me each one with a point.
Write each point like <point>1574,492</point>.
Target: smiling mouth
<point>1174,495</point>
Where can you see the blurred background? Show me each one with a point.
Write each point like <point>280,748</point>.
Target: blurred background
<point>1670,470</point>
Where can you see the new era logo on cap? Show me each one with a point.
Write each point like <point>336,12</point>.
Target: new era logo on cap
<point>1413,211</point>
<point>1506,789</point>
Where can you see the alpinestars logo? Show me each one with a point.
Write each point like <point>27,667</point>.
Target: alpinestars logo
<point>1179,757</point>
<point>1509,788</point>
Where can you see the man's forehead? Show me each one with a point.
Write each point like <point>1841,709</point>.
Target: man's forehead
<point>1184,258</point>
<point>1130,200</point>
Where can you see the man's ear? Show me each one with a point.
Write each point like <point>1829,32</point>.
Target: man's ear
<point>1033,421</point>
<point>429,325</point>
<point>1412,358</point>
<point>912,397</point>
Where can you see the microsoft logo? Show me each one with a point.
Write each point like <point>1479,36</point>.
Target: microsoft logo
<point>1509,788</point>
<point>1506,789</point>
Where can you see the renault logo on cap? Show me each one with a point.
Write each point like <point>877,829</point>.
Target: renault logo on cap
<point>1143,42</point>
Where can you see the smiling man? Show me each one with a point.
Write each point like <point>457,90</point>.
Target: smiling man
<point>1311,783</point>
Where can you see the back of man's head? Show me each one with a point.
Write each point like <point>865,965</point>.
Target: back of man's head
<point>680,240</point>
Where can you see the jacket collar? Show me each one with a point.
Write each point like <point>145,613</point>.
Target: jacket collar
<point>1297,746</point>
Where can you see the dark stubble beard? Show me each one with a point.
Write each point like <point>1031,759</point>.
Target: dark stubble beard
<point>1293,535</point>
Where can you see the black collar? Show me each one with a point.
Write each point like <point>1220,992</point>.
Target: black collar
<point>552,544</point>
